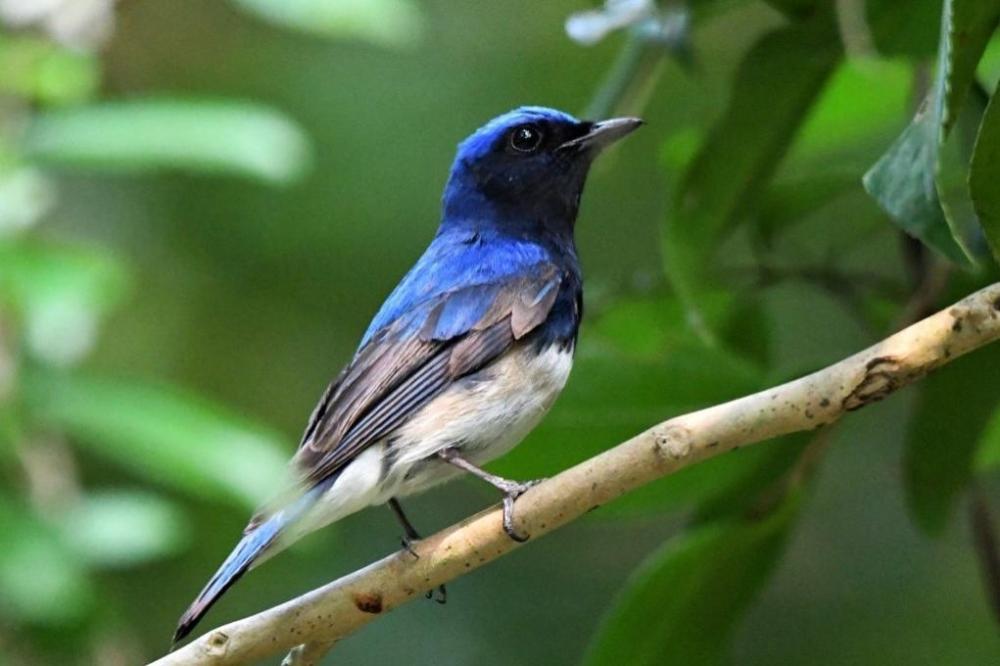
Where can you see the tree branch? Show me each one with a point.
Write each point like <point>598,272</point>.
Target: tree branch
<point>333,611</point>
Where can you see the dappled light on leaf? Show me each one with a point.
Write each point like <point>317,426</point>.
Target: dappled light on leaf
<point>38,70</point>
<point>124,528</point>
<point>235,138</point>
<point>394,23</point>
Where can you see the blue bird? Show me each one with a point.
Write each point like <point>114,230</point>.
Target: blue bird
<point>467,354</point>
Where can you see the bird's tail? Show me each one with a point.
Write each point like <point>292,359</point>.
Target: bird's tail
<point>247,551</point>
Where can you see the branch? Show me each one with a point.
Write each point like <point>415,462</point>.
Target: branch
<point>335,610</point>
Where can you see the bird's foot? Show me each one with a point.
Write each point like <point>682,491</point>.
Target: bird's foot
<point>407,543</point>
<point>442,594</point>
<point>512,490</point>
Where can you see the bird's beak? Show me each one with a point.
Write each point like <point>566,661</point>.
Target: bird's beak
<point>602,134</point>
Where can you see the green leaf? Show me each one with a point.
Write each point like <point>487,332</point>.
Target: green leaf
<point>905,180</point>
<point>62,293</point>
<point>124,528</point>
<point>41,580</point>
<point>904,183</point>
<point>774,89</point>
<point>650,327</point>
<point>167,435</point>
<point>904,28</point>
<point>39,70</point>
<point>950,418</point>
<point>756,482</point>
<point>392,23</point>
<point>988,449</point>
<point>984,178</point>
<point>972,23</point>
<point>719,487</point>
<point>235,138</point>
<point>788,202</point>
<point>683,603</point>
<point>847,114</point>
<point>800,8</point>
<point>988,70</point>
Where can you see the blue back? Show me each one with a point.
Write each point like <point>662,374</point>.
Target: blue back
<point>459,259</point>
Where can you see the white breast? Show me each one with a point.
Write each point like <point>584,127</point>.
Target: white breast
<point>484,416</point>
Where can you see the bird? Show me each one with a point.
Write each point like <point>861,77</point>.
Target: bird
<point>465,356</point>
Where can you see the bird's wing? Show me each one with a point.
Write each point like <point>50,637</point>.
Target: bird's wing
<point>417,357</point>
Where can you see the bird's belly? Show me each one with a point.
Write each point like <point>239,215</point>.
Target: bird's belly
<point>483,416</point>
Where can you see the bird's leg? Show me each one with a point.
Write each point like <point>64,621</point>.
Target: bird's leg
<point>410,535</point>
<point>511,489</point>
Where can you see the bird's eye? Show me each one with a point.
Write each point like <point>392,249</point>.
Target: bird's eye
<point>525,139</point>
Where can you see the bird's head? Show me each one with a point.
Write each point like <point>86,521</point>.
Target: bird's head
<point>527,168</point>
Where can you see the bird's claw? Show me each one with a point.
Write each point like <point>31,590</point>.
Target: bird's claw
<point>442,596</point>
<point>513,490</point>
<point>407,544</point>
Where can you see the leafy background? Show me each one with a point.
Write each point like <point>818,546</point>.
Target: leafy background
<point>201,205</point>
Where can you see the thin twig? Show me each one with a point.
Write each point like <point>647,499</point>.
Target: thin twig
<point>337,609</point>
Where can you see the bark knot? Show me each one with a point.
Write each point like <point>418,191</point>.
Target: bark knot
<point>217,643</point>
<point>883,375</point>
<point>673,442</point>
<point>368,602</point>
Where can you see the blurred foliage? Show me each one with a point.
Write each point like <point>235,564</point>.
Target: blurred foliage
<point>229,137</point>
<point>696,588</point>
<point>201,448</point>
<point>385,22</point>
<point>775,86</point>
<point>210,199</point>
<point>985,174</point>
<point>950,421</point>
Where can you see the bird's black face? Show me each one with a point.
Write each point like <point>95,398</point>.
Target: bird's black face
<point>531,164</point>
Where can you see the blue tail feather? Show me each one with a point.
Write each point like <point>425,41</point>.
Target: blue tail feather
<point>247,551</point>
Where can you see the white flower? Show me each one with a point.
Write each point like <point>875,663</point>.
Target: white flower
<point>591,26</point>
<point>82,24</point>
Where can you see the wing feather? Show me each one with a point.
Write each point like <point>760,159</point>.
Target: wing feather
<point>417,357</point>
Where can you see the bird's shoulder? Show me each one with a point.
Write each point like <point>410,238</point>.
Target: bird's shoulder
<point>469,265</point>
